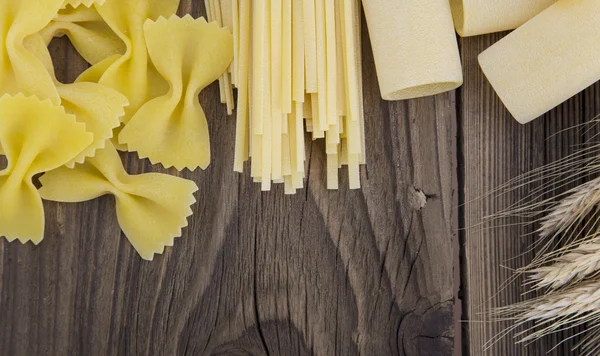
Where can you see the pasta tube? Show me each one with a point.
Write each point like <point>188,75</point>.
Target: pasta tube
<point>547,60</point>
<point>478,17</point>
<point>414,46</point>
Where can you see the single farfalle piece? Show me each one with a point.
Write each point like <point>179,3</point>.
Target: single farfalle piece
<point>85,3</point>
<point>37,136</point>
<point>97,106</point>
<point>88,32</point>
<point>132,73</point>
<point>172,129</point>
<point>21,71</point>
<point>152,208</point>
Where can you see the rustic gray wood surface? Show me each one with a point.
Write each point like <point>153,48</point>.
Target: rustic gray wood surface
<point>369,272</point>
<point>492,149</point>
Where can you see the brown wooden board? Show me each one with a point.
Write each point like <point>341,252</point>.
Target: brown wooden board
<point>367,272</point>
<point>494,148</point>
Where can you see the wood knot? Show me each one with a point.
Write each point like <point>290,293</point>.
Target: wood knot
<point>417,198</point>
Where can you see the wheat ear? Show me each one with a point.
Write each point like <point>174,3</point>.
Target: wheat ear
<point>578,300</point>
<point>565,222</point>
<point>580,202</point>
<point>578,264</point>
<point>555,311</point>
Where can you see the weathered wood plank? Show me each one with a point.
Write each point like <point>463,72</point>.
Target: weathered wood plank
<point>493,148</point>
<point>367,272</point>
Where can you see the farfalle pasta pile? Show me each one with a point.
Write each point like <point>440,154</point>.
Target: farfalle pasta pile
<point>140,94</point>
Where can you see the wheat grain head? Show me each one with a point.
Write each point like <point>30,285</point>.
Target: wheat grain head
<point>578,264</point>
<point>558,310</point>
<point>576,206</point>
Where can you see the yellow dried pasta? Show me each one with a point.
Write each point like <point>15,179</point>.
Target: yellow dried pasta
<point>172,129</point>
<point>547,60</point>
<point>95,72</point>
<point>88,32</point>
<point>133,74</point>
<point>151,208</point>
<point>37,136</point>
<point>86,3</point>
<point>297,69</point>
<point>476,17</point>
<point>97,106</point>
<point>423,58</point>
<point>20,70</point>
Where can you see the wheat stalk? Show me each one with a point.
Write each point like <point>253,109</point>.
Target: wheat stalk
<point>566,265</point>
<point>581,201</point>
<point>578,300</point>
<point>555,311</point>
<point>572,267</point>
<point>590,343</point>
<point>565,224</point>
<point>570,300</point>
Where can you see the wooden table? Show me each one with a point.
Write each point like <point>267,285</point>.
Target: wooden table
<point>493,148</point>
<point>366,272</point>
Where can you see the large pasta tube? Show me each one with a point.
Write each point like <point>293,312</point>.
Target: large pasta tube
<point>546,61</point>
<point>477,17</point>
<point>414,46</point>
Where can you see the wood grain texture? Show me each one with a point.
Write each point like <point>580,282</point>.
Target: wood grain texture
<point>493,148</point>
<point>367,272</point>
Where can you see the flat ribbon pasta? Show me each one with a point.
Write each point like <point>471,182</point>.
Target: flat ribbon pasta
<point>152,208</point>
<point>20,70</point>
<point>172,129</point>
<point>37,136</point>
<point>96,105</point>
<point>88,32</point>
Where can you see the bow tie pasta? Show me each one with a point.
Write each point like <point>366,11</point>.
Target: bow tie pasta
<point>151,208</point>
<point>86,3</point>
<point>132,73</point>
<point>88,32</point>
<point>172,128</point>
<point>97,106</point>
<point>37,136</point>
<point>20,70</point>
<point>64,131</point>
